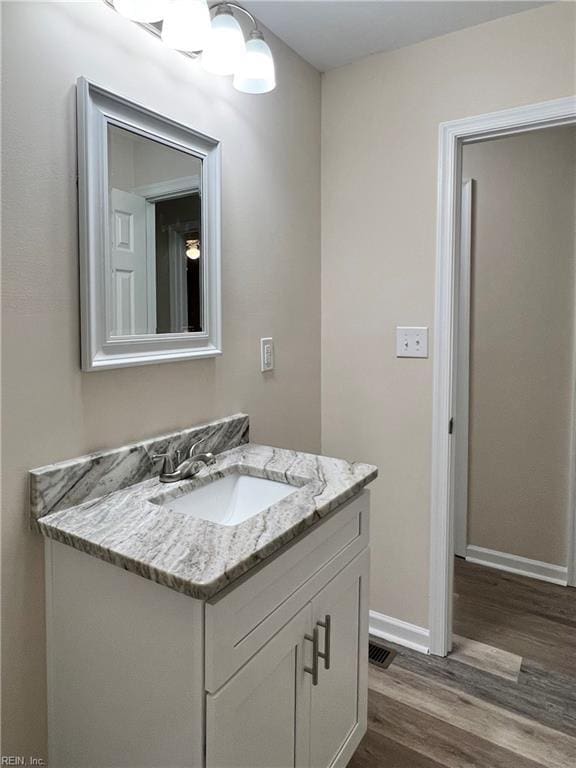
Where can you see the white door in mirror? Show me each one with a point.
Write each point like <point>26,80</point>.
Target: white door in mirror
<point>411,342</point>
<point>266,355</point>
<point>129,266</point>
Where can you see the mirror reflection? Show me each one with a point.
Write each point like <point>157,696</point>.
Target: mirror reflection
<point>154,271</point>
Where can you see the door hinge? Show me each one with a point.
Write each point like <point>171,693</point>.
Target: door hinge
<point>451,426</point>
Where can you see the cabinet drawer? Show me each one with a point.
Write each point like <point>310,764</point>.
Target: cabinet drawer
<point>241,621</point>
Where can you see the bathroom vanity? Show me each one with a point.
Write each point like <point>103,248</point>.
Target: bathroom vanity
<point>219,621</point>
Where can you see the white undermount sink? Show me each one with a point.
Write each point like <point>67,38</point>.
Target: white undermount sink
<point>228,501</point>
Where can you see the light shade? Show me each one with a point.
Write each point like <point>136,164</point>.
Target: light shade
<point>193,249</point>
<point>141,10</point>
<point>226,47</point>
<point>186,25</point>
<point>256,72</point>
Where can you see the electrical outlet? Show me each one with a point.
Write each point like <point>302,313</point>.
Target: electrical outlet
<point>266,355</point>
<point>411,342</point>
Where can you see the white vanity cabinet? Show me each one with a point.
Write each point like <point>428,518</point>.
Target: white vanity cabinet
<point>247,719</point>
<point>271,673</point>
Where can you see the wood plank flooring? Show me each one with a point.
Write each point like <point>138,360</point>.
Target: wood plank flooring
<point>486,657</point>
<point>506,698</point>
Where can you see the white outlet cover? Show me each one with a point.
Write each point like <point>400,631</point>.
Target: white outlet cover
<point>411,341</point>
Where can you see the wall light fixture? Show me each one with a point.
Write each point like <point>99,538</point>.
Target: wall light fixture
<point>210,33</point>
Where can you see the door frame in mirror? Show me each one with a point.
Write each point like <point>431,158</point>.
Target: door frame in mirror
<point>98,108</point>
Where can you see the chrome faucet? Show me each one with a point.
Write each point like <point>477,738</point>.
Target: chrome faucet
<point>175,469</point>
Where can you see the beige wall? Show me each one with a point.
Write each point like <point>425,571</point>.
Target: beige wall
<point>521,351</point>
<point>379,156</point>
<point>271,283</point>
<point>135,162</point>
<point>380,119</point>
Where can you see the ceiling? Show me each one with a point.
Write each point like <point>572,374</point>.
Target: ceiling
<point>330,33</point>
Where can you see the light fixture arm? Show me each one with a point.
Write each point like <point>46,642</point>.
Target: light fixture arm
<point>236,7</point>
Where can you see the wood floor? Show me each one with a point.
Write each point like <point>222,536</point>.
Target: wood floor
<point>506,696</point>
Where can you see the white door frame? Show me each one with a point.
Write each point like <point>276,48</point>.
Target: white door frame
<point>462,373</point>
<point>452,136</point>
<point>156,193</point>
<point>177,269</point>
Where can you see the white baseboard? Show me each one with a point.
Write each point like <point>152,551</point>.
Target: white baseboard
<point>400,632</point>
<point>555,574</point>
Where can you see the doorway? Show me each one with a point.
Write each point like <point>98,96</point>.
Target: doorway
<point>450,363</point>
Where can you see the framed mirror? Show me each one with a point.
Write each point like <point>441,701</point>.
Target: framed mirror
<point>149,211</point>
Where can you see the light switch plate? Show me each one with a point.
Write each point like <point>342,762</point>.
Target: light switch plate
<point>266,355</point>
<point>411,342</point>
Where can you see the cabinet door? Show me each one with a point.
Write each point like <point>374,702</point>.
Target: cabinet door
<point>261,717</point>
<point>339,701</point>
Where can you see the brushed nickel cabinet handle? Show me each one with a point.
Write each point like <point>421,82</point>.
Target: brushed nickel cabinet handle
<point>327,627</point>
<point>313,670</point>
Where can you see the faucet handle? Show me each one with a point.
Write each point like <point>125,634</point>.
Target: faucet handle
<point>167,465</point>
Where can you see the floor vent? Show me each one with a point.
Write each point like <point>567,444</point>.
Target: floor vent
<point>379,655</point>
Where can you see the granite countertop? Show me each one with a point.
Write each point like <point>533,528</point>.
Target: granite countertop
<point>196,557</point>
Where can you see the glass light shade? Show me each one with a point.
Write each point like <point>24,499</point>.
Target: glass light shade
<point>186,25</point>
<point>141,10</point>
<point>193,249</point>
<point>256,73</point>
<point>226,47</point>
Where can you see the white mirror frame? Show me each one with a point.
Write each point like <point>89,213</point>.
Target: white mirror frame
<point>97,109</point>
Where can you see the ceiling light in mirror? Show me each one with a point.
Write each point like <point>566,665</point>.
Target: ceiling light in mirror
<point>193,249</point>
<point>256,73</point>
<point>226,47</point>
<point>186,25</point>
<point>142,10</point>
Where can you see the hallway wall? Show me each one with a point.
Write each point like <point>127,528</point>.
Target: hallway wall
<point>522,342</point>
<point>379,190</point>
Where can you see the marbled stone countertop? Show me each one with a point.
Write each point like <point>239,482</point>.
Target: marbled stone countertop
<point>197,557</point>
